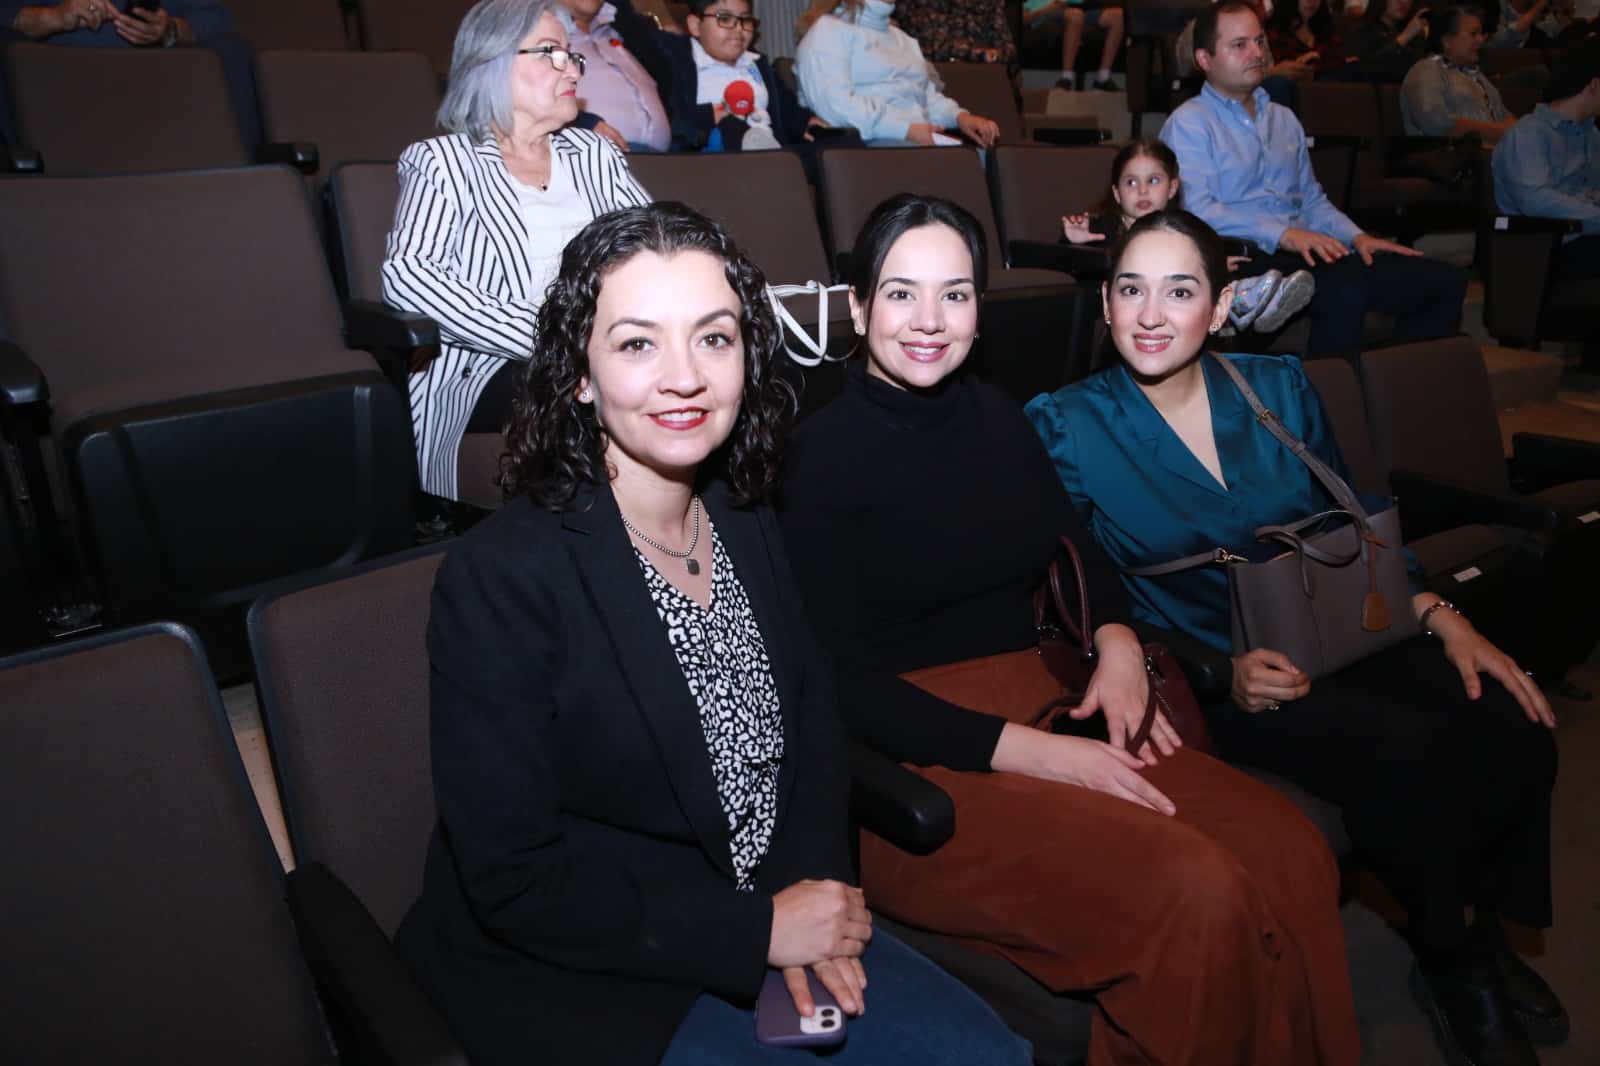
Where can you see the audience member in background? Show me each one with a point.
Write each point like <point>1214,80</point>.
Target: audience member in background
<point>617,89</point>
<point>963,31</point>
<point>1280,77</point>
<point>705,64</point>
<point>1247,173</point>
<point>1446,94</point>
<point>1144,180</point>
<point>1549,163</point>
<point>1517,21</point>
<point>1444,776</point>
<point>484,213</point>
<point>120,24</point>
<point>857,69</point>
<point>117,24</point>
<point>639,771</point>
<point>1303,31</point>
<point>1391,38</point>
<point>1073,18</point>
<point>921,514</point>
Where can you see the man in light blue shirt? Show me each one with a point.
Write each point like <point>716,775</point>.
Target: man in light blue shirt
<point>1247,173</point>
<point>1548,165</point>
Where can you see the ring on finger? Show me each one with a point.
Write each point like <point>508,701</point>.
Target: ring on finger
<point>1273,705</point>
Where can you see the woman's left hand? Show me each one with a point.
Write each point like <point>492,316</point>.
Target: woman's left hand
<point>1471,653</point>
<point>844,978</point>
<point>1120,689</point>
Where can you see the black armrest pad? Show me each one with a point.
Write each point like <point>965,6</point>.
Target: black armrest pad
<point>302,155</point>
<point>22,383</point>
<point>1209,671</point>
<point>1071,136</point>
<point>357,969</point>
<point>1439,503</point>
<point>369,324</point>
<point>1406,144</point>
<point>908,811</point>
<point>18,160</point>
<point>1555,459</point>
<point>1086,260</point>
<point>1337,140</point>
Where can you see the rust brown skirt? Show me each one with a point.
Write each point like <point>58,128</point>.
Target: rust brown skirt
<point>1209,937</point>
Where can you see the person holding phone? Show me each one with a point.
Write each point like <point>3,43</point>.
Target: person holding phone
<point>118,23</point>
<point>638,765</point>
<point>1303,31</point>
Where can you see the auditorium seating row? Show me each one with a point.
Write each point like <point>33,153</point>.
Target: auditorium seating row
<point>344,703</point>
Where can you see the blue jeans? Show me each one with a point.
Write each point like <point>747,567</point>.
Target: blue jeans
<point>916,1014</point>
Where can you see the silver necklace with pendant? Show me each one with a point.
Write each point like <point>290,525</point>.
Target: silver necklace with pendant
<point>694,539</point>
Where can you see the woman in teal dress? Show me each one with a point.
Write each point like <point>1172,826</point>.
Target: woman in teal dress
<point>1444,777</point>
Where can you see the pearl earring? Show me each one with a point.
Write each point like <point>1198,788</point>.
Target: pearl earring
<point>585,396</point>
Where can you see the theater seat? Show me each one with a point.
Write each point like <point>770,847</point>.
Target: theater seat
<point>147,905</point>
<point>297,24</point>
<point>122,110</point>
<point>351,105</point>
<point>407,26</point>
<point>214,431</point>
<point>1434,428</point>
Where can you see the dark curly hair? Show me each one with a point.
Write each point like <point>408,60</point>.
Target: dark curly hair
<point>556,444</point>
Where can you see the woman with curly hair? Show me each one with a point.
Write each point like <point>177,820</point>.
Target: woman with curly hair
<point>637,759</point>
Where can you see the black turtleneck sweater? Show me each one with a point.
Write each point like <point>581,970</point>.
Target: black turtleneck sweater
<point>919,526</point>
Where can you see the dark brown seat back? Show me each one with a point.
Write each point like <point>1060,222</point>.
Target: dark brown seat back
<point>298,24</point>
<point>342,674</point>
<point>148,921</point>
<point>363,196</point>
<point>1340,390</point>
<point>409,26</point>
<point>122,110</point>
<point>351,105</point>
<point>1432,412</point>
<point>984,89</point>
<point>1034,185</point>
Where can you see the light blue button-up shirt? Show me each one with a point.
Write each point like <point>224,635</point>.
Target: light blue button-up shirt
<point>1247,177</point>
<point>1549,165</point>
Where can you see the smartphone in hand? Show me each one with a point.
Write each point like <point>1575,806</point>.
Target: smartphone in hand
<point>779,1024</point>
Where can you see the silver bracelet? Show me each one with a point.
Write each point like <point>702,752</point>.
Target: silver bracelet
<point>1423,621</point>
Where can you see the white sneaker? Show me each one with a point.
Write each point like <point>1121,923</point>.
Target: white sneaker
<point>1288,300</point>
<point>1250,295</point>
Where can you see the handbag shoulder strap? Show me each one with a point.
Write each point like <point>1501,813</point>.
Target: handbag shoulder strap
<point>1335,484</point>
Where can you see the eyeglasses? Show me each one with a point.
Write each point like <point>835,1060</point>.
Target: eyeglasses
<point>728,20</point>
<point>559,57</point>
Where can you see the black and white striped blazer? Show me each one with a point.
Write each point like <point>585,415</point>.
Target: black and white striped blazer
<point>458,253</point>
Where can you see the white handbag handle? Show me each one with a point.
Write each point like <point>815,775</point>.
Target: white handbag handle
<point>819,346</point>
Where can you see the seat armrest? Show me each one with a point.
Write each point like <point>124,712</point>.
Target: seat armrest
<point>1085,261</point>
<point>1071,136</point>
<point>1209,671</point>
<point>1338,140</point>
<point>1406,144</point>
<point>369,324</point>
<point>359,973</point>
<point>1551,460</point>
<point>1429,503</point>
<point>908,811</point>
<point>22,383</point>
<point>1530,224</point>
<point>18,160</point>
<point>302,155</point>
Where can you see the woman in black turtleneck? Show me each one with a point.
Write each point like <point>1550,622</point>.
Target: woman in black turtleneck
<point>921,511</point>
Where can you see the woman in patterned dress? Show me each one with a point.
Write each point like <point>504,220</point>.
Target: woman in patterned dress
<point>638,765</point>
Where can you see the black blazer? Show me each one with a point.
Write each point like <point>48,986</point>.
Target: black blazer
<point>579,889</point>
<point>692,122</point>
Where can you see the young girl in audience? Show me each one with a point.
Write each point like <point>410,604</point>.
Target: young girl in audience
<point>1144,179</point>
<point>638,767</point>
<point>1444,778</point>
<point>1196,904</point>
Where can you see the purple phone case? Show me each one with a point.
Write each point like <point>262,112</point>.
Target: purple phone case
<point>778,1023</point>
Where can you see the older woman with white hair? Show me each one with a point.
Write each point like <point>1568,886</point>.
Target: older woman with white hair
<point>484,214</point>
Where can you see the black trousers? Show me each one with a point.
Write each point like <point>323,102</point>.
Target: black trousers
<point>1446,799</point>
<point>1424,296</point>
<point>1579,259</point>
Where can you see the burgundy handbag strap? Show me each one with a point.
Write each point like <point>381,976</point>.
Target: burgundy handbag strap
<point>1080,627</point>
